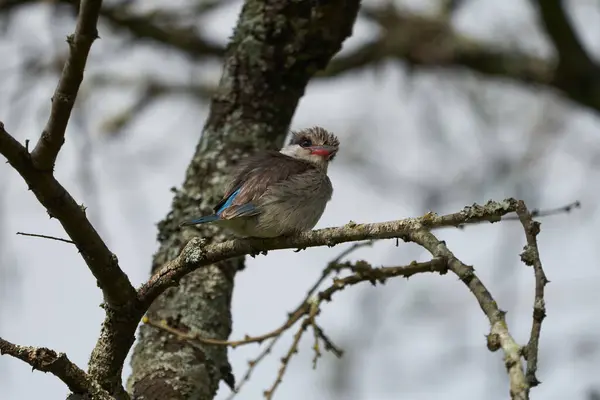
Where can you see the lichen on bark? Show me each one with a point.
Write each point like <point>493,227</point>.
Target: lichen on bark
<point>276,48</point>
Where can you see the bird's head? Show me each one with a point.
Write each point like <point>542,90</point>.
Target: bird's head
<point>315,145</point>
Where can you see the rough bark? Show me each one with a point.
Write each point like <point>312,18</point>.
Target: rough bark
<point>276,48</point>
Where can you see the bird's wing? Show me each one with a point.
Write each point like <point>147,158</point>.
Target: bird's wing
<point>252,178</point>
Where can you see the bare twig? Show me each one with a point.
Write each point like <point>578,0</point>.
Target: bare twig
<point>304,309</point>
<point>312,315</point>
<point>543,213</point>
<point>554,211</point>
<point>45,237</point>
<point>308,309</point>
<point>286,359</point>
<point>519,388</point>
<point>47,360</point>
<point>329,345</point>
<point>371,274</point>
<point>46,150</point>
<point>252,365</point>
<point>191,337</point>
<point>333,266</point>
<point>531,257</point>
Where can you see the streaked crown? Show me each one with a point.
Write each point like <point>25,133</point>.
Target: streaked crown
<point>315,136</point>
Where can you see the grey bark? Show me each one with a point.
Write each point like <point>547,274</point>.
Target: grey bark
<point>276,48</point>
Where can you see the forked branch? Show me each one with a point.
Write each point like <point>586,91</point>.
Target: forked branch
<point>47,360</point>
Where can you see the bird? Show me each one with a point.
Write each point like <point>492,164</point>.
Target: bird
<point>278,193</point>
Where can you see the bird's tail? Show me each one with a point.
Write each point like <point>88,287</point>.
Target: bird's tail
<point>201,220</point>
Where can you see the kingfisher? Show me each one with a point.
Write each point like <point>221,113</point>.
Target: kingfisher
<point>277,193</point>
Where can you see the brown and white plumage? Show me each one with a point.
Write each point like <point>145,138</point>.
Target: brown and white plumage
<point>279,193</point>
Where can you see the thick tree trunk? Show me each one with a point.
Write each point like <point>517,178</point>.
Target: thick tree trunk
<point>276,47</point>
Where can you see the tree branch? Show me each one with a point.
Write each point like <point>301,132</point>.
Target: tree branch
<point>431,42</point>
<point>365,273</point>
<point>571,52</point>
<point>577,73</point>
<point>120,296</point>
<point>46,150</point>
<point>308,310</point>
<point>531,257</point>
<point>144,27</point>
<point>58,202</point>
<point>519,388</point>
<point>197,253</point>
<point>47,360</point>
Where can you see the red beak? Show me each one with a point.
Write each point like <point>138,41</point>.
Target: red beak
<point>323,151</point>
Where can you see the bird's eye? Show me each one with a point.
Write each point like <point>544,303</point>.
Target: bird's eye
<point>305,143</point>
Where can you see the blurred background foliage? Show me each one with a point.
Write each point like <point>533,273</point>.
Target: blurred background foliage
<point>439,104</point>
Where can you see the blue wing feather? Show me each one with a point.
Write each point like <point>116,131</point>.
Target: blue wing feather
<point>244,210</point>
<point>227,202</point>
<point>201,220</point>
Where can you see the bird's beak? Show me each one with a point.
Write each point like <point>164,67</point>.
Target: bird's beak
<point>323,151</point>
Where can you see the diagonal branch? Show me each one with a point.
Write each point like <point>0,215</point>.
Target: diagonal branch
<point>197,254</point>
<point>46,150</point>
<point>519,388</point>
<point>531,257</point>
<point>115,285</point>
<point>143,26</point>
<point>364,274</point>
<point>571,52</point>
<point>47,360</point>
<point>577,74</point>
